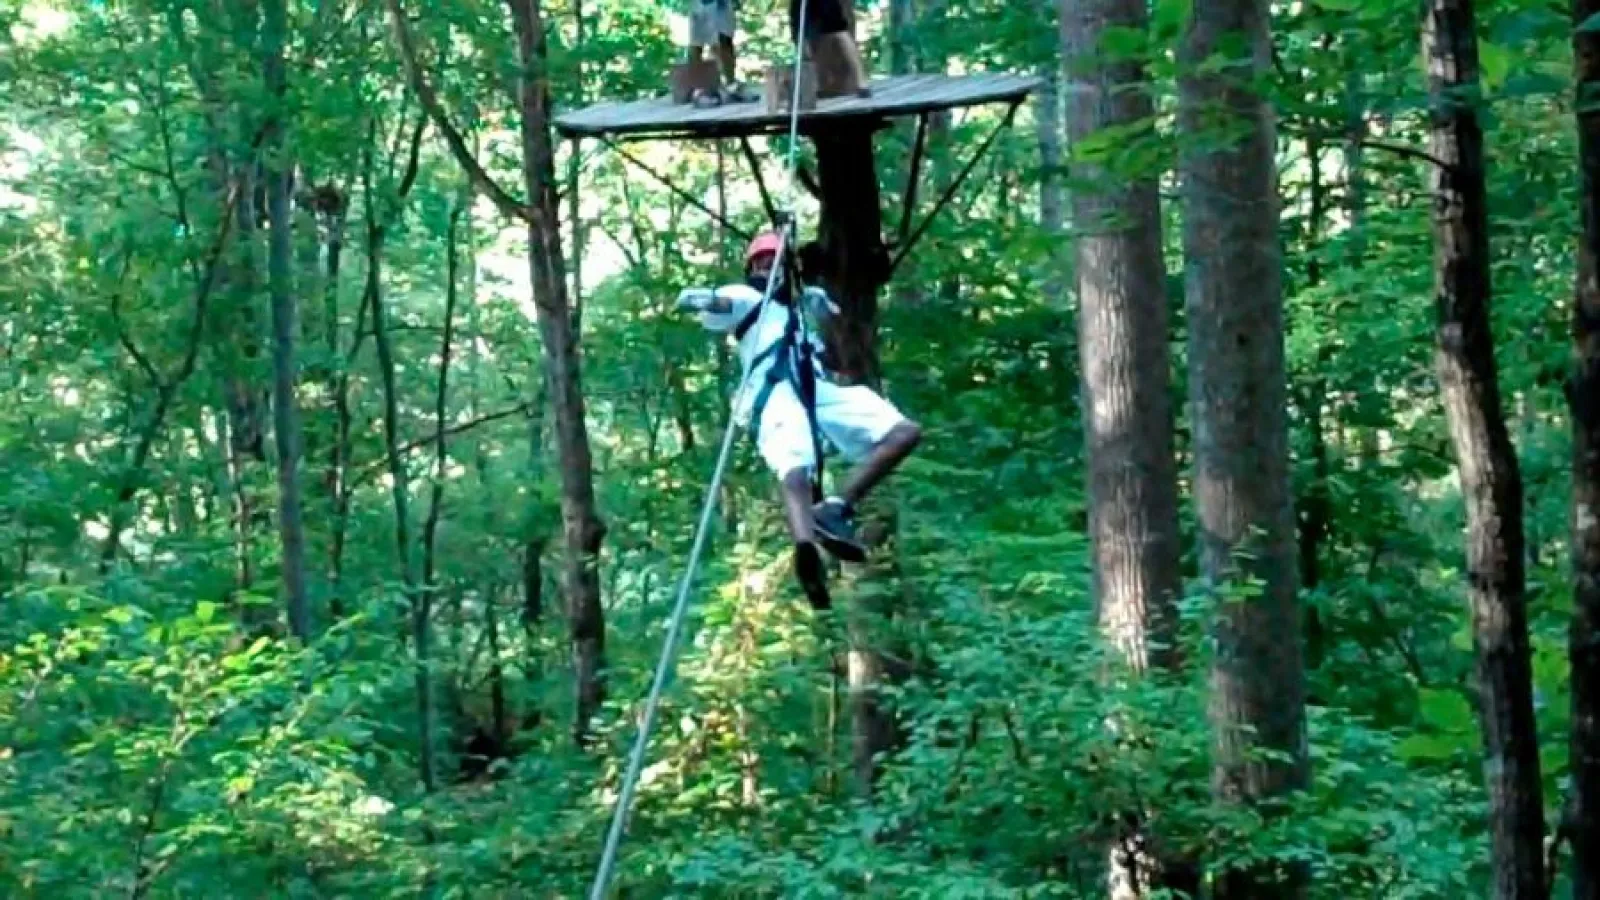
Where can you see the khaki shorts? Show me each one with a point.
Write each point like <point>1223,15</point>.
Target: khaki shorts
<point>852,418</point>
<point>709,20</point>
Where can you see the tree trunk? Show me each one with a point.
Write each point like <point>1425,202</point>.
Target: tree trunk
<point>1127,408</point>
<point>902,37</point>
<point>499,718</point>
<point>1047,128</point>
<point>1316,507</point>
<point>422,611</point>
<point>854,270</point>
<point>336,384</point>
<point>1238,392</point>
<point>582,529</point>
<point>400,487</point>
<point>286,427</point>
<point>242,399</point>
<point>1491,484</point>
<point>1133,487</point>
<point>441,450</point>
<point>1583,397</point>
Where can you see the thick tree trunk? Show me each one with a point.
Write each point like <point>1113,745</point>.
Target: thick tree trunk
<point>1584,399</point>
<point>1133,485</point>
<point>286,426</point>
<point>582,529</point>
<point>1238,393</point>
<point>1491,484</point>
<point>854,271</point>
<point>1127,404</point>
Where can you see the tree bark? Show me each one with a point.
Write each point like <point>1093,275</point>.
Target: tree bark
<point>854,271</point>
<point>1583,397</point>
<point>1238,394</point>
<point>241,396</point>
<point>428,592</point>
<point>582,529</point>
<point>441,449</point>
<point>1047,128</point>
<point>280,249</point>
<point>1127,403</point>
<point>1133,485</point>
<point>1316,506</point>
<point>400,487</point>
<point>1486,462</point>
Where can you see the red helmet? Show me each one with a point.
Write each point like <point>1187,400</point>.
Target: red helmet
<point>765,242</point>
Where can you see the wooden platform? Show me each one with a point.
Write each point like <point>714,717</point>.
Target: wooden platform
<point>901,95</point>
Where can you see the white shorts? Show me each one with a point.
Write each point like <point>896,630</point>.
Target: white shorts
<point>852,418</point>
<point>709,19</point>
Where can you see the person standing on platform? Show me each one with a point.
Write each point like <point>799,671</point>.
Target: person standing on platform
<point>830,39</point>
<point>712,23</point>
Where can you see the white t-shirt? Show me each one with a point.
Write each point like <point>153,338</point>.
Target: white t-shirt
<point>767,330</point>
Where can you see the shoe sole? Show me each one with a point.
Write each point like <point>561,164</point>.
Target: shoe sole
<point>844,549</point>
<point>813,580</point>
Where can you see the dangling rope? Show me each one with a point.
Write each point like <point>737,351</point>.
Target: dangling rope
<point>630,780</point>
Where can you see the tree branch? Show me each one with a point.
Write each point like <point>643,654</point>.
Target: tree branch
<point>167,390</point>
<point>481,179</point>
<point>1407,152</point>
<point>1337,137</point>
<point>413,157</point>
<point>371,468</point>
<point>123,338</point>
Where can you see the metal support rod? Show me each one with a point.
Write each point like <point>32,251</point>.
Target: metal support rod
<point>905,248</point>
<point>913,178</point>
<point>687,197</point>
<point>761,184</point>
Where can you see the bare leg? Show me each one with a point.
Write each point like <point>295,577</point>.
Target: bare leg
<point>884,458</point>
<point>797,505</point>
<point>808,567</point>
<point>728,58</point>
<point>858,70</point>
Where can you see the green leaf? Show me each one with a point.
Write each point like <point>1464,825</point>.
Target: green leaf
<point>1427,748</point>
<point>1169,15</point>
<point>1122,43</point>
<point>204,611</point>
<point>1496,63</point>
<point>1445,710</point>
<point>1590,24</point>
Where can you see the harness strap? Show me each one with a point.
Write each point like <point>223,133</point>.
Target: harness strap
<point>792,361</point>
<point>746,323</point>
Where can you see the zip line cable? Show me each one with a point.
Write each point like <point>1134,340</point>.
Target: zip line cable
<point>630,780</point>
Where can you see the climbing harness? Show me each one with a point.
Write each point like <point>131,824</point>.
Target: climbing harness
<point>630,778</point>
<point>793,360</point>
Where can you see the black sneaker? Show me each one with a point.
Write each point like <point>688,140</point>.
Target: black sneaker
<point>835,526</point>
<point>813,578</point>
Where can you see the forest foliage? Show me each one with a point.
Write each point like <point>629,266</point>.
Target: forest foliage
<point>163,733</point>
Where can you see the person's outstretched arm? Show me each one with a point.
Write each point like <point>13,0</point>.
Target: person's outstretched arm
<point>720,308</point>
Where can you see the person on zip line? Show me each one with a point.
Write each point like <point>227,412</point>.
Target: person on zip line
<point>790,402</point>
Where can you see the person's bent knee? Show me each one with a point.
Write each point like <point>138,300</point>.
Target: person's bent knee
<point>798,477</point>
<point>906,434</point>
